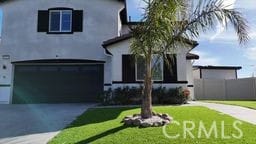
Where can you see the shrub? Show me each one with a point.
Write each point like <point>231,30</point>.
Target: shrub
<point>132,96</point>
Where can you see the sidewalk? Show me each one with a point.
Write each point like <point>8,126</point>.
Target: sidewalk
<point>241,113</point>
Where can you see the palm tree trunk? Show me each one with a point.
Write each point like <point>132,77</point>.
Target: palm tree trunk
<point>146,109</point>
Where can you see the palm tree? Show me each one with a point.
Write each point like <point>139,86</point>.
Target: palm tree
<point>165,26</point>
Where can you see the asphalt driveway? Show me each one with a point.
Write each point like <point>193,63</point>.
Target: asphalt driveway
<point>30,124</point>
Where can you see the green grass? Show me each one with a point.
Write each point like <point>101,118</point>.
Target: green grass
<point>248,104</point>
<point>102,126</point>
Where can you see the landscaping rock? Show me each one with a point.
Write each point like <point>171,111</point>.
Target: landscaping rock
<point>160,115</point>
<point>167,117</point>
<point>137,122</point>
<point>156,120</point>
<point>158,124</point>
<point>128,122</point>
<point>145,124</point>
<point>165,122</point>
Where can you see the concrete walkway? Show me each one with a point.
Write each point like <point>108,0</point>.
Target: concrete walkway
<point>36,124</point>
<point>241,113</point>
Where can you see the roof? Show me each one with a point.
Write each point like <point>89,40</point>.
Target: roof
<point>129,35</point>
<point>219,67</point>
<point>191,56</point>
<point>116,40</point>
<point>58,61</point>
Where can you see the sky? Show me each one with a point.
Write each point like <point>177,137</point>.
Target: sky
<point>221,47</point>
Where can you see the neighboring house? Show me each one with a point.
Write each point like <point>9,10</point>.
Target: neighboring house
<point>56,51</point>
<point>215,72</point>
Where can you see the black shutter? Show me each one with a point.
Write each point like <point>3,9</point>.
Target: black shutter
<point>43,21</point>
<point>170,71</point>
<point>77,19</point>
<point>128,68</point>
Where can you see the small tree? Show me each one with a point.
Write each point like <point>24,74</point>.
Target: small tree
<point>167,24</point>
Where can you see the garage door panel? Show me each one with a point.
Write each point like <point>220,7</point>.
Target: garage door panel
<point>57,84</point>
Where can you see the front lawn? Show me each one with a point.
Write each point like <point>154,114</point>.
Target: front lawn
<point>102,126</point>
<point>248,104</point>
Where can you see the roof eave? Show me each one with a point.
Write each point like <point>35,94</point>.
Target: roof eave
<point>191,56</point>
<point>128,36</point>
<point>219,67</point>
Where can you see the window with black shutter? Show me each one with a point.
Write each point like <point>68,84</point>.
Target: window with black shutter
<point>60,21</point>
<point>165,71</point>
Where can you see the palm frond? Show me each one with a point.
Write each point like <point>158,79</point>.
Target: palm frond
<point>207,15</point>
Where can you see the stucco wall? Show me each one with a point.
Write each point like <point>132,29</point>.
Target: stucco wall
<point>117,51</point>
<point>190,78</point>
<point>21,41</point>
<point>121,48</point>
<point>4,95</point>
<point>125,29</point>
<point>196,73</point>
<point>5,80</point>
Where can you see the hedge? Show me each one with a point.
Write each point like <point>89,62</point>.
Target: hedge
<point>132,96</point>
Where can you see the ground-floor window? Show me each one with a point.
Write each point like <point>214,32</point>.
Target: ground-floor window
<point>157,68</point>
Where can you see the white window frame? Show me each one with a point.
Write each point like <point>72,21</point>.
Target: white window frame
<point>141,80</point>
<point>61,13</point>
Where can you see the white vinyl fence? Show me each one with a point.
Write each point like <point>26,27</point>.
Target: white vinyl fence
<point>240,89</point>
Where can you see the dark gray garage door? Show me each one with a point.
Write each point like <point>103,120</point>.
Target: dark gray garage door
<point>57,83</point>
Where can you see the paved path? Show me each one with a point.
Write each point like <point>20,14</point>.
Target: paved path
<point>36,124</point>
<point>241,113</point>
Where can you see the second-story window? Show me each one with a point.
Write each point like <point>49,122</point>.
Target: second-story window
<point>60,20</point>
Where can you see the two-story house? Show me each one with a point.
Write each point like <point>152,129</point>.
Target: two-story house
<point>69,51</point>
